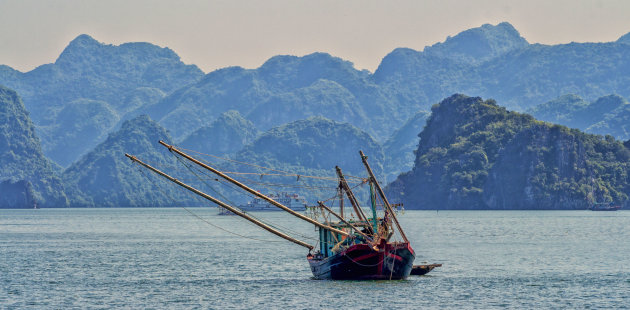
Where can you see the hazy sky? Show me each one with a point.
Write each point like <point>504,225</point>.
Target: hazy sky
<point>216,34</point>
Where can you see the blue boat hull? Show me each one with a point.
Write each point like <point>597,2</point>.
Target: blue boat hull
<point>361,262</point>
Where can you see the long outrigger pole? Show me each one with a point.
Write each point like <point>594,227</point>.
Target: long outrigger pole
<point>382,194</point>
<point>222,204</point>
<point>253,192</point>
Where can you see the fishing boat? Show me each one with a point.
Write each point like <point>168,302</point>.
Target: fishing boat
<point>357,247</point>
<point>593,205</point>
<point>604,206</point>
<point>291,200</point>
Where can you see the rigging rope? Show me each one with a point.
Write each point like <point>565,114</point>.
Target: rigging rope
<point>277,226</point>
<point>362,181</point>
<point>196,215</point>
<point>284,173</point>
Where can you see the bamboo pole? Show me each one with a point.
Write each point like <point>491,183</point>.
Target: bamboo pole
<point>220,203</point>
<point>253,192</point>
<point>382,194</point>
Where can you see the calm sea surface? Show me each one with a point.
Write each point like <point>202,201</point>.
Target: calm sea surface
<point>167,258</point>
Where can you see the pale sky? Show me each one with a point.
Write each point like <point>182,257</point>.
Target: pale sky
<point>215,34</point>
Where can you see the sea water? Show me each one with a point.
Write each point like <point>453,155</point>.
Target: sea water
<point>170,258</point>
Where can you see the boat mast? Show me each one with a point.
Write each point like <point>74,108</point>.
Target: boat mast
<point>220,203</point>
<point>253,192</point>
<point>351,197</point>
<point>373,204</point>
<point>382,194</point>
<point>340,201</point>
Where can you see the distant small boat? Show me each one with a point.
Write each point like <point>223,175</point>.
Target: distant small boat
<point>599,206</point>
<point>224,211</point>
<point>292,201</point>
<point>604,206</point>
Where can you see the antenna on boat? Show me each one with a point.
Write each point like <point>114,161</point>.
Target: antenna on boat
<point>222,204</point>
<point>254,192</point>
<point>382,194</point>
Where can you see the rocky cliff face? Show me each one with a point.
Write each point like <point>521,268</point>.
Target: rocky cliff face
<point>27,178</point>
<point>474,154</point>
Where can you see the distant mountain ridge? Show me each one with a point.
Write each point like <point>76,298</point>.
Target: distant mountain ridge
<point>314,143</point>
<point>284,89</point>
<point>479,44</point>
<point>608,115</point>
<point>400,147</point>
<point>624,38</point>
<point>519,76</point>
<point>94,91</point>
<point>490,60</point>
<point>90,70</point>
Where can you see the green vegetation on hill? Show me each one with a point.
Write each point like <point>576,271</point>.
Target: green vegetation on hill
<point>285,88</point>
<point>80,126</point>
<point>315,143</point>
<point>106,178</point>
<point>498,63</point>
<point>27,178</point>
<point>606,115</point>
<point>226,135</point>
<point>566,110</point>
<point>323,98</point>
<point>116,76</point>
<point>93,89</point>
<point>474,154</point>
<point>311,147</point>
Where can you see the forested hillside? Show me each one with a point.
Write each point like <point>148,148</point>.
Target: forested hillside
<point>495,61</point>
<point>106,178</point>
<point>27,178</point>
<point>475,154</point>
<point>309,113</point>
<point>108,77</point>
<point>283,89</point>
<point>226,135</point>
